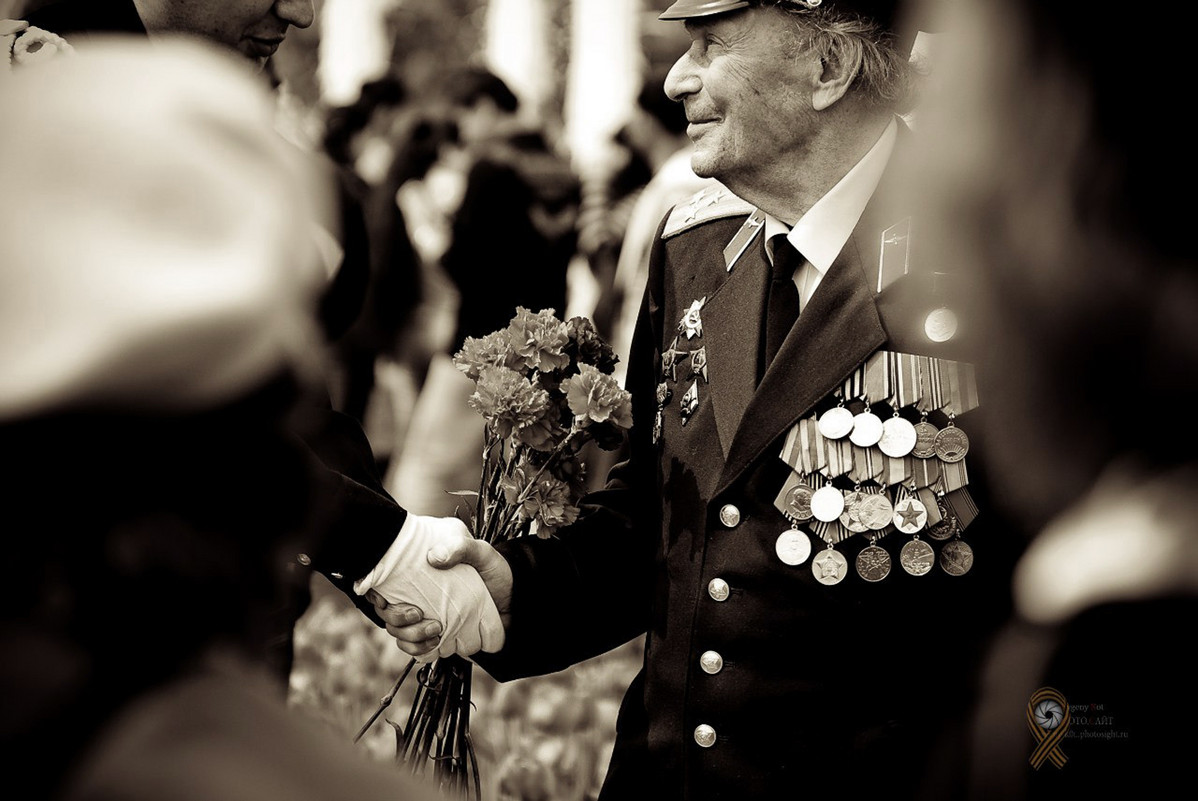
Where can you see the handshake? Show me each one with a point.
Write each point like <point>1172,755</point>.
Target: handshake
<point>440,591</point>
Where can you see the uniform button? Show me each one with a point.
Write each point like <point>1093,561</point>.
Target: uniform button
<point>705,735</point>
<point>304,559</point>
<point>730,515</point>
<point>711,662</point>
<point>718,589</point>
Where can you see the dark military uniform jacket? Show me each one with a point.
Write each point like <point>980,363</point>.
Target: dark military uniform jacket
<point>759,681</point>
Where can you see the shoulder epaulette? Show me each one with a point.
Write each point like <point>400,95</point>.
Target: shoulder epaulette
<point>712,203</point>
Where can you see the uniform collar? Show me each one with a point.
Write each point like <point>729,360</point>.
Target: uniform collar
<point>822,232</point>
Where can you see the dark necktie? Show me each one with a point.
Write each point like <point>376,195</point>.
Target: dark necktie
<point>782,302</point>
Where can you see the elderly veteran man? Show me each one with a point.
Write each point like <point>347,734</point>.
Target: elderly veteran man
<point>796,528</point>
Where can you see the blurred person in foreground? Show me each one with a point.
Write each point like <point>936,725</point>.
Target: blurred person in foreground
<point>374,548</point>
<point>159,341</point>
<point>1054,183</point>
<point>803,527</point>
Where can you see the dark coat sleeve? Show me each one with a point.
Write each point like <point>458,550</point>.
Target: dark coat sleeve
<point>357,520</point>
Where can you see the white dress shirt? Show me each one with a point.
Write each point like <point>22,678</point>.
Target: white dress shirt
<point>822,232</point>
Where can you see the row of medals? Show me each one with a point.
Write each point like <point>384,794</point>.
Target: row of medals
<point>872,512</point>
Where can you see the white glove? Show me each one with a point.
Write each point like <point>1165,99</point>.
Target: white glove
<point>456,597</point>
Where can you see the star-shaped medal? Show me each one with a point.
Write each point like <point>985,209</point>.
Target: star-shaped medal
<point>669,362</point>
<point>691,323</point>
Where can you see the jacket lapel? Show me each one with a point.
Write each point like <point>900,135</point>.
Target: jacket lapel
<point>837,331</point>
<point>732,339</point>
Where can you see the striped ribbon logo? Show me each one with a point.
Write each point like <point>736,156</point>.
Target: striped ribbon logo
<point>1048,719</point>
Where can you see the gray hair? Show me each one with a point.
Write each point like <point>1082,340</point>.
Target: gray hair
<point>886,76</point>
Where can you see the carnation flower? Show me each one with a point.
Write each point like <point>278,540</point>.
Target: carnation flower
<point>597,398</point>
<point>543,433</point>
<point>555,506</point>
<point>493,350</point>
<point>508,400</point>
<point>587,347</point>
<point>572,471</point>
<point>539,340</point>
<point>544,500</point>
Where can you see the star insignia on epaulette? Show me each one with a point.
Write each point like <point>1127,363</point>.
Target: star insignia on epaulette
<point>708,197</point>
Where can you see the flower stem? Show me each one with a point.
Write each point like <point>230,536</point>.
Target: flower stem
<point>385,701</point>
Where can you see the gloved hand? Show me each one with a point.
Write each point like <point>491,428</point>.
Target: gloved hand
<point>432,612</point>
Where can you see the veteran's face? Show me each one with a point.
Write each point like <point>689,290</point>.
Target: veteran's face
<point>743,89</point>
<point>255,28</point>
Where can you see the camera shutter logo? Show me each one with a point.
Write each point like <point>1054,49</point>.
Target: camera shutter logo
<point>1048,719</point>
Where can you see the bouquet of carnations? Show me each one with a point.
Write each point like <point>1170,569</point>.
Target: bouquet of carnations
<point>544,389</point>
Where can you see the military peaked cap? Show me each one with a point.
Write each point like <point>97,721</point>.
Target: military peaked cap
<point>885,12</point>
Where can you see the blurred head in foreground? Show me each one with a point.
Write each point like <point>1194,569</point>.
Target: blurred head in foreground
<point>1060,181</point>
<point>1066,202</point>
<point>157,291</point>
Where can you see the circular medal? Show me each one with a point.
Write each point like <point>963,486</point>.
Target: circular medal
<point>956,558</point>
<point>793,547</point>
<point>876,512</point>
<point>850,518</point>
<point>873,563</point>
<point>917,557</point>
<point>941,324</point>
<point>798,502</point>
<point>952,444</point>
<point>836,423</point>
<point>925,440</point>
<point>827,503</point>
<point>910,515</point>
<point>867,429</point>
<point>898,438</point>
<point>829,567</point>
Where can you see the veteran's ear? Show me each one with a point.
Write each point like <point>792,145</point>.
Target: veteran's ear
<point>840,65</point>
